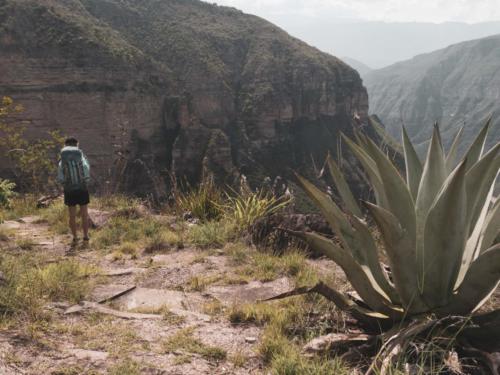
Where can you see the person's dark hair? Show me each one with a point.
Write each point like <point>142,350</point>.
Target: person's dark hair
<point>71,141</point>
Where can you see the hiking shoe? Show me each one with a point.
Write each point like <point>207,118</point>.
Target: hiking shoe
<point>75,240</point>
<point>86,239</point>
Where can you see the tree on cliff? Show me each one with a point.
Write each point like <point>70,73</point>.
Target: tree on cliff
<point>32,162</point>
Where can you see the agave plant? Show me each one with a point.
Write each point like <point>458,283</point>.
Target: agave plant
<point>439,225</point>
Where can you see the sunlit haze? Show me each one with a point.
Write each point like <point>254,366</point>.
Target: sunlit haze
<point>374,10</point>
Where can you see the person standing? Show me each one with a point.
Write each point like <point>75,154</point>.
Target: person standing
<point>73,173</point>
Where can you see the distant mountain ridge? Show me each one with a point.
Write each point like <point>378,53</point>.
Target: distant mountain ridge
<point>380,44</point>
<point>361,67</point>
<point>456,86</point>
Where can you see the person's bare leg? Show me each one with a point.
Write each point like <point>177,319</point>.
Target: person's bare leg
<point>84,213</point>
<point>72,221</point>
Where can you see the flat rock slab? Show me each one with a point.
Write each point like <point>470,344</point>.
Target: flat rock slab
<point>251,292</point>
<point>92,355</point>
<point>144,298</point>
<point>120,272</point>
<point>10,224</point>
<point>93,306</point>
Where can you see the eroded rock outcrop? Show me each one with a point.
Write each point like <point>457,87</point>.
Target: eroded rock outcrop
<point>176,86</point>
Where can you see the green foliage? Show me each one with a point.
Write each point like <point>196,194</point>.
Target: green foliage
<point>56,216</point>
<point>121,229</point>
<point>34,162</point>
<point>19,206</point>
<point>202,202</point>
<point>6,192</point>
<point>245,209</point>
<point>29,285</point>
<point>439,228</point>
<point>211,233</point>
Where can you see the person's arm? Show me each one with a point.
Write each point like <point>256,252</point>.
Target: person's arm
<point>86,168</point>
<point>60,173</point>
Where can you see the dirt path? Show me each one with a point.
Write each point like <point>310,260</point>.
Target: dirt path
<point>162,304</point>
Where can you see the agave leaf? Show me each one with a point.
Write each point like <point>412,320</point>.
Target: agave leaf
<point>480,178</point>
<point>400,203</point>
<point>367,255</point>
<point>480,186</point>
<point>452,153</point>
<point>413,165</point>
<point>476,148</point>
<point>386,137</point>
<point>479,283</point>
<point>343,302</point>
<point>343,188</point>
<point>330,210</point>
<point>371,169</point>
<point>438,134</point>
<point>491,227</point>
<point>400,249</point>
<point>359,276</point>
<point>433,177</point>
<point>444,239</point>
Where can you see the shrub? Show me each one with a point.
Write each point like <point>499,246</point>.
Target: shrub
<point>246,208</point>
<point>34,161</point>
<point>6,192</point>
<point>202,202</point>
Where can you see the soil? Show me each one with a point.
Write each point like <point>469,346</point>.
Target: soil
<point>82,340</point>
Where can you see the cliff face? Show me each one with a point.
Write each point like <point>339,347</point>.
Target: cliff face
<point>456,86</point>
<point>175,85</point>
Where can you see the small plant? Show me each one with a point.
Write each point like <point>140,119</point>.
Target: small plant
<point>199,283</point>
<point>239,359</point>
<point>211,233</point>
<point>125,367</point>
<point>26,243</point>
<point>184,340</point>
<point>202,202</point>
<point>56,216</point>
<point>6,192</point>
<point>128,248</point>
<point>246,208</point>
<point>163,240</point>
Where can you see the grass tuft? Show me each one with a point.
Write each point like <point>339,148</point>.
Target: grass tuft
<point>212,233</point>
<point>184,340</point>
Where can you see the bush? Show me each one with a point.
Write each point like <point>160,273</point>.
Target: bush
<point>34,162</point>
<point>6,192</point>
<point>245,209</point>
<point>202,202</point>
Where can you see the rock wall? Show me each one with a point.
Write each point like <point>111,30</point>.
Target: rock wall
<point>175,86</point>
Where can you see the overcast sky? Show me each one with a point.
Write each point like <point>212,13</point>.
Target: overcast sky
<point>373,10</point>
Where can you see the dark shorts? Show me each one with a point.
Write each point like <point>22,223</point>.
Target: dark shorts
<point>76,197</point>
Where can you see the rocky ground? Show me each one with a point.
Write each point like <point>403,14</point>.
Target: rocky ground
<point>160,313</point>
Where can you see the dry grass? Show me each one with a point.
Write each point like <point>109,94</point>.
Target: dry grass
<point>184,341</point>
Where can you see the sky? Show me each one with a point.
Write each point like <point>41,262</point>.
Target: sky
<point>435,11</point>
<point>378,33</point>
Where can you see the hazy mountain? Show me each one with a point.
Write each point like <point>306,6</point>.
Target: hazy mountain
<point>362,68</point>
<point>456,85</point>
<point>378,44</point>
